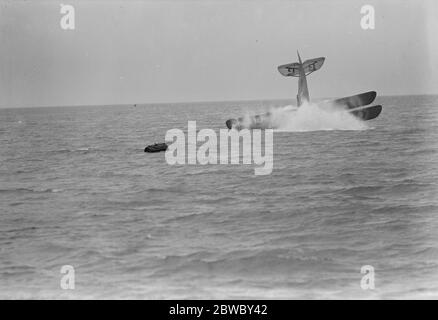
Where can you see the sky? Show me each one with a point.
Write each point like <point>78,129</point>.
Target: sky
<point>124,52</point>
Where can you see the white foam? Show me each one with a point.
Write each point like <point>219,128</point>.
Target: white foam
<point>314,117</point>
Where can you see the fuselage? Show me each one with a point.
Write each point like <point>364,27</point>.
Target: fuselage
<point>303,91</point>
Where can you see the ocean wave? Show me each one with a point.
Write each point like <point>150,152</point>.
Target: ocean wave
<point>362,189</point>
<point>411,208</point>
<point>239,263</point>
<point>188,217</point>
<point>76,150</point>
<point>28,190</point>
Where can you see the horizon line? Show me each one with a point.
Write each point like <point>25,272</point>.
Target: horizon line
<point>195,102</point>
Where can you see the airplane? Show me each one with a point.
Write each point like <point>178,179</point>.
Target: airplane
<point>357,105</point>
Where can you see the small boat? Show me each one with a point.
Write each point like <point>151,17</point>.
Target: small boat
<point>156,147</point>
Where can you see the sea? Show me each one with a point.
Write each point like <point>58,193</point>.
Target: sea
<point>350,210</point>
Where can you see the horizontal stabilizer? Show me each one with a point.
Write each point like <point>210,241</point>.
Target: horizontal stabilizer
<point>293,69</point>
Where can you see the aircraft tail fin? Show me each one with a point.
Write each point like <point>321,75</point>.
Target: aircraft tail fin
<point>301,70</point>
